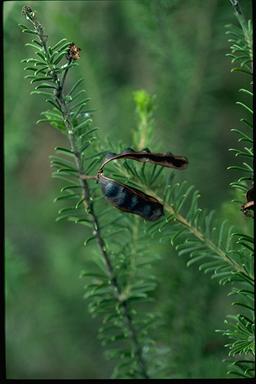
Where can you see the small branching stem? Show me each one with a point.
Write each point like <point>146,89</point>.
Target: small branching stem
<point>195,231</point>
<point>199,235</point>
<point>241,19</point>
<point>88,201</point>
<point>89,207</point>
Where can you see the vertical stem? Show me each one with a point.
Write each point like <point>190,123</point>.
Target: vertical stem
<point>97,232</point>
<point>88,202</point>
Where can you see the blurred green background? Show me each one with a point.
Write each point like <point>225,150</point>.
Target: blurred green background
<point>176,50</point>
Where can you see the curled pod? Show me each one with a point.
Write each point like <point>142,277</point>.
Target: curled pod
<point>165,159</point>
<point>250,195</point>
<point>130,199</point>
<point>250,204</point>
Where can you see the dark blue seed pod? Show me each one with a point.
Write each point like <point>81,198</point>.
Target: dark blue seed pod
<point>130,199</point>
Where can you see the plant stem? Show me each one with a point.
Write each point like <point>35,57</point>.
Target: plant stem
<point>194,230</point>
<point>241,19</point>
<point>89,207</point>
<point>88,202</point>
<point>199,235</point>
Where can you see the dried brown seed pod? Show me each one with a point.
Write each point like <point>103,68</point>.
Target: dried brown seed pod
<point>164,159</point>
<point>250,205</point>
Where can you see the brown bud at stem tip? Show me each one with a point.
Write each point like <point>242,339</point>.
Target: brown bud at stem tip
<point>73,52</point>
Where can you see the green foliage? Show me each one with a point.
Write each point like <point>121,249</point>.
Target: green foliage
<point>216,246</point>
<point>241,55</point>
<point>220,251</point>
<point>241,328</point>
<point>119,279</point>
<point>116,283</point>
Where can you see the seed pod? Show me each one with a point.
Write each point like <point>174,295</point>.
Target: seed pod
<point>164,159</point>
<point>130,199</point>
<point>250,205</point>
<point>250,194</point>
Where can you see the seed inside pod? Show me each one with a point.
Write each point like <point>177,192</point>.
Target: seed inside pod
<point>130,199</point>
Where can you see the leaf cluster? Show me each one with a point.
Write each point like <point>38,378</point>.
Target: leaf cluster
<point>119,279</point>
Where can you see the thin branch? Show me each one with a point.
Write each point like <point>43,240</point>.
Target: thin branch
<point>89,207</point>
<point>192,229</point>
<point>200,236</point>
<point>88,202</point>
<point>241,19</point>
